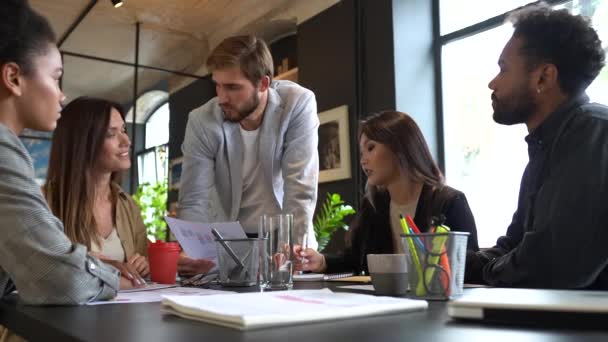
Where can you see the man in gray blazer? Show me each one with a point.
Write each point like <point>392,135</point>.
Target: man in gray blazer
<point>252,150</point>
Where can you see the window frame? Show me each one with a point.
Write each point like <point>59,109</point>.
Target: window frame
<point>439,41</point>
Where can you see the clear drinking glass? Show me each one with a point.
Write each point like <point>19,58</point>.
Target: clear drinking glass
<point>276,266</point>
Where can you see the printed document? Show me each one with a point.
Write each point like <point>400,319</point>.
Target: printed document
<point>198,241</point>
<point>259,310</point>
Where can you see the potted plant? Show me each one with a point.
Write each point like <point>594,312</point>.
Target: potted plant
<point>330,218</point>
<point>152,200</point>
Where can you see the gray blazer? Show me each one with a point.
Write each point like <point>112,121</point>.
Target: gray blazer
<point>211,181</point>
<point>35,254</point>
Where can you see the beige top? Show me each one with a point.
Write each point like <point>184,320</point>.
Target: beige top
<point>111,247</point>
<point>395,212</point>
<point>129,225</point>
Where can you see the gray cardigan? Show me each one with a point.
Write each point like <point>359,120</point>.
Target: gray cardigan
<point>211,180</point>
<point>35,254</point>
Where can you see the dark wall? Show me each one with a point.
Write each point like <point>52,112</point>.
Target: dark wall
<point>180,104</point>
<point>345,56</point>
<point>286,47</point>
<point>378,62</point>
<point>327,66</point>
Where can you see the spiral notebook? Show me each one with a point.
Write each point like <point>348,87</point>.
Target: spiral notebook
<point>345,276</point>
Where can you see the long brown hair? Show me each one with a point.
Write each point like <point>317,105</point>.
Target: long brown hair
<point>77,143</point>
<point>400,133</point>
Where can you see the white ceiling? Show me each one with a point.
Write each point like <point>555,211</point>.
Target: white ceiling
<point>175,35</point>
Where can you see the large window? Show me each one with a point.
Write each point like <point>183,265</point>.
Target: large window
<point>483,159</point>
<point>157,127</point>
<point>153,115</point>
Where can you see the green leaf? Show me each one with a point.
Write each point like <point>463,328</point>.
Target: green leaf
<point>330,217</point>
<point>152,201</point>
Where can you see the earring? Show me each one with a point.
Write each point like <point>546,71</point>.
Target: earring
<point>538,90</point>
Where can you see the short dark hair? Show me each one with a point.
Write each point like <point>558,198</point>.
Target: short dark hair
<point>558,37</point>
<point>23,34</point>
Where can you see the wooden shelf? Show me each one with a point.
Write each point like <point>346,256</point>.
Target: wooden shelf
<point>290,75</point>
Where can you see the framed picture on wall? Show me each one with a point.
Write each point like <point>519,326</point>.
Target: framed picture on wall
<point>334,145</point>
<point>175,173</point>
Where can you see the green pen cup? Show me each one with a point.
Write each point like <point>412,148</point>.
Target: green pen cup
<point>436,264</point>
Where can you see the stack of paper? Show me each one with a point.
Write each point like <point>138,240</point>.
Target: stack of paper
<point>155,293</point>
<point>258,310</point>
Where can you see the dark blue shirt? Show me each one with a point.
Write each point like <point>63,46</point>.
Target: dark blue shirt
<point>558,237</point>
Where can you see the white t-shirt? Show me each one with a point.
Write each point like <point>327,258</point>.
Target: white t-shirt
<point>256,199</point>
<point>395,212</point>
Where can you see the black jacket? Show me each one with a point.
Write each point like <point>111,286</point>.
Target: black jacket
<point>371,229</point>
<point>558,237</point>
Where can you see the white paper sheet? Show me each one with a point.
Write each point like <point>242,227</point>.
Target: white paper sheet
<point>156,295</point>
<point>358,287</point>
<point>198,241</point>
<point>149,287</point>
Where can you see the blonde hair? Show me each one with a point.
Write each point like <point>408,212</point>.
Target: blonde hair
<point>248,52</point>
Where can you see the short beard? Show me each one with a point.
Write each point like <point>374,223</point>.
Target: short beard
<point>523,105</point>
<point>244,113</point>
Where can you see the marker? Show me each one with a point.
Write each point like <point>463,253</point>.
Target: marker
<point>411,223</point>
<point>443,261</point>
<point>420,289</point>
<point>437,251</point>
<point>404,225</point>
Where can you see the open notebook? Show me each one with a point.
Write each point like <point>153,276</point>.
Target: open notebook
<point>257,310</point>
<point>532,307</point>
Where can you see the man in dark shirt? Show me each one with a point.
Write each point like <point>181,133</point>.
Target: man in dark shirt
<point>559,234</point>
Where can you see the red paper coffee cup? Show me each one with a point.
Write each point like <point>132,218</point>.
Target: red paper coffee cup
<point>163,261</point>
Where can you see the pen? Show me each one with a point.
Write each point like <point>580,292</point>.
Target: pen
<point>420,290</point>
<point>417,240</point>
<point>227,248</point>
<point>304,247</point>
<point>411,223</point>
<point>408,230</point>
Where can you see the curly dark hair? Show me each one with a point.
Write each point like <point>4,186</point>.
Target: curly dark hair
<point>558,37</point>
<point>23,34</point>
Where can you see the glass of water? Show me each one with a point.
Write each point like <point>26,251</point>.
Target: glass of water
<point>276,266</point>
